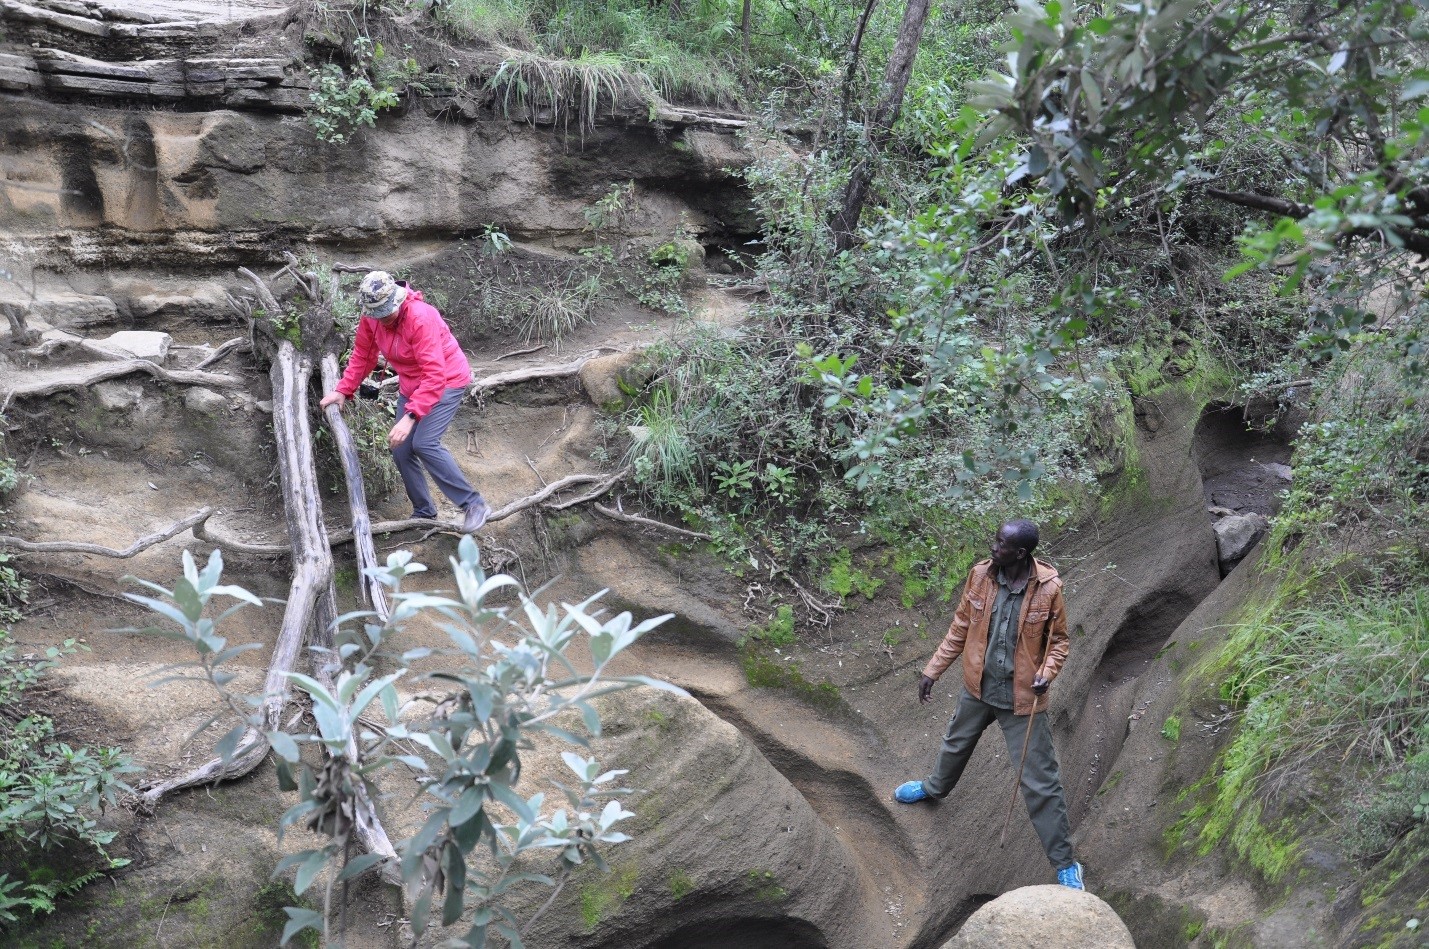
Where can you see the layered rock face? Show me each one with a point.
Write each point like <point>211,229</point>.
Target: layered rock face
<point>145,157</point>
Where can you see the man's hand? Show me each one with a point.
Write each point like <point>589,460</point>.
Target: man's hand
<point>1040,685</point>
<point>400,431</point>
<point>925,688</point>
<point>333,398</point>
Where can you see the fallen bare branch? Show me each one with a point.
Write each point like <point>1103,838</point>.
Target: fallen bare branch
<point>142,544</point>
<point>613,514</point>
<point>337,538</point>
<point>555,487</point>
<point>520,352</point>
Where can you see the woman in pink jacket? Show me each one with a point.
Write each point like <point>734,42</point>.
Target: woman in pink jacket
<point>433,376</point>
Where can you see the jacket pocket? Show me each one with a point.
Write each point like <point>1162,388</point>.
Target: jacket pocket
<point>1036,617</point>
<point>976,603</point>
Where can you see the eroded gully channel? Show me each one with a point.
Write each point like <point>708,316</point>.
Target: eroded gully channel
<point>1242,473</point>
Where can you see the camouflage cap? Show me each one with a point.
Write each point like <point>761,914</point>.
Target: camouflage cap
<point>379,295</point>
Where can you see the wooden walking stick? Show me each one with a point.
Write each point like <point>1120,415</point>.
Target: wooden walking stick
<point>1012,802</point>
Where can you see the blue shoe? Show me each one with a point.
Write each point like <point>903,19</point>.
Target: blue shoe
<point>1071,877</point>
<point>910,792</point>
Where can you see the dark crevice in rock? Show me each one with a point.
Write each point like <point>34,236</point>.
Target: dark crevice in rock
<point>745,933</point>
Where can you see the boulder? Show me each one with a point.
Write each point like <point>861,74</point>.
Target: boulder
<point>1048,917</point>
<point>204,401</point>
<point>1237,534</point>
<point>70,310</point>
<point>602,378</point>
<point>140,344</point>
<point>118,396</point>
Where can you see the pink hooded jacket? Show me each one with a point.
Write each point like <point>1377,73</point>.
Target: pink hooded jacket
<point>420,348</point>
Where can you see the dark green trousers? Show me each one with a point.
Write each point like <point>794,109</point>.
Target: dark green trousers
<point>1041,778</point>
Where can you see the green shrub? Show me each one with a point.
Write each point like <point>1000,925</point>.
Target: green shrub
<point>52,795</point>
<point>505,698</point>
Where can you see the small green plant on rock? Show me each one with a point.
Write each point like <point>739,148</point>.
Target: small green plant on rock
<point>779,631</point>
<point>342,102</point>
<point>681,884</point>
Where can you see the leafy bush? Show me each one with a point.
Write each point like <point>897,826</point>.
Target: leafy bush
<point>505,680</point>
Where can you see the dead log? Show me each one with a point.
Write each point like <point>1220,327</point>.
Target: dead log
<point>373,593</point>
<point>312,567</point>
<point>142,544</point>
<point>311,600</point>
<point>312,559</point>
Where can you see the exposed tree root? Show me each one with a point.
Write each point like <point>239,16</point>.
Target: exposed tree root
<point>603,482</point>
<point>142,544</point>
<point>84,376</point>
<point>560,370</point>
<point>613,514</point>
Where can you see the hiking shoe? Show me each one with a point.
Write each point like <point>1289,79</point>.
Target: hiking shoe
<point>1071,877</point>
<point>476,513</point>
<point>910,792</point>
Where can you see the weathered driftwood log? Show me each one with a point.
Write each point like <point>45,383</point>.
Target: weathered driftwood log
<point>373,593</point>
<point>74,547</point>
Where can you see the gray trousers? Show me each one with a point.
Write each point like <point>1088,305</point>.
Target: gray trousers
<point>424,449</point>
<point>1041,778</point>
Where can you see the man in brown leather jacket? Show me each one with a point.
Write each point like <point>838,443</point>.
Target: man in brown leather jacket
<point>1011,630</point>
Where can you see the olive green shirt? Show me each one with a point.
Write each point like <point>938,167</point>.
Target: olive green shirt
<point>1001,644</point>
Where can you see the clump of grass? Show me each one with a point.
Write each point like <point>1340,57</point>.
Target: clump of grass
<point>661,448</point>
<point>552,313</point>
<point>567,89</point>
<point>1345,680</point>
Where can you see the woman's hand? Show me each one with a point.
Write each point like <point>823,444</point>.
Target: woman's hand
<point>400,431</point>
<point>333,398</point>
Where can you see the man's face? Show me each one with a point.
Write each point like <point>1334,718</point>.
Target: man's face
<point>1005,552</point>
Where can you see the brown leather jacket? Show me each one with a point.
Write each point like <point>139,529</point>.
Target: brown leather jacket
<point>1041,639</point>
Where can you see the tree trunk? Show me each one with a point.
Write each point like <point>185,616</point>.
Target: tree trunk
<point>880,127</point>
<point>744,26</point>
